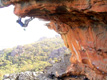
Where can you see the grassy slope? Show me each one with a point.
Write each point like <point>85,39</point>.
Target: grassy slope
<point>33,57</point>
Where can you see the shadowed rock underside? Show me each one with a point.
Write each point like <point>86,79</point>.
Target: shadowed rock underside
<point>83,27</point>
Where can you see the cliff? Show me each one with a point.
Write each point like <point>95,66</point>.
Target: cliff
<point>82,25</point>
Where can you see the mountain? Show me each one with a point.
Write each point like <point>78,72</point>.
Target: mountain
<point>32,57</point>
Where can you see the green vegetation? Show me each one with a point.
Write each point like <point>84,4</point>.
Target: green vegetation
<point>31,57</point>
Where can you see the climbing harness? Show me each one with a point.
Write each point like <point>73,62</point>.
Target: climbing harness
<point>1,4</point>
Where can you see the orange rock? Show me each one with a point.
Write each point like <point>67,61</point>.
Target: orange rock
<point>83,27</point>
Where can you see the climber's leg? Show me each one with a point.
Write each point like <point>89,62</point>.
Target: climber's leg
<point>20,22</point>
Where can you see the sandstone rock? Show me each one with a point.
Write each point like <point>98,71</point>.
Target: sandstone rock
<point>58,71</point>
<point>6,76</point>
<point>34,74</point>
<point>11,76</point>
<point>6,79</point>
<point>28,75</point>
<point>25,76</point>
<point>82,25</point>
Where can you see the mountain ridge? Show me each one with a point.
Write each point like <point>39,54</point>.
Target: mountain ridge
<point>37,56</point>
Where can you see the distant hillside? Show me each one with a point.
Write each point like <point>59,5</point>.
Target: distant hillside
<point>32,57</point>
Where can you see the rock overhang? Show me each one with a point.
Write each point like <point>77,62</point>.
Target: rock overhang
<point>34,7</point>
<point>82,25</point>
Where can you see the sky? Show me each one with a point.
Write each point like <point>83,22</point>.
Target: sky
<point>12,34</point>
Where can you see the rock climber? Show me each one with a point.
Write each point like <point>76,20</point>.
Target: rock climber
<point>25,24</point>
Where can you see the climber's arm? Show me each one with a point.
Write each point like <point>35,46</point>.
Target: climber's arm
<point>27,22</point>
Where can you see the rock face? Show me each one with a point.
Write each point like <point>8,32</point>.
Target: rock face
<point>28,75</point>
<point>58,53</point>
<point>82,25</point>
<point>58,71</point>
